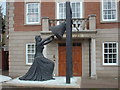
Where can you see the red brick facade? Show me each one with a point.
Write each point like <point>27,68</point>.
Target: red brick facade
<point>95,8</point>
<point>48,10</point>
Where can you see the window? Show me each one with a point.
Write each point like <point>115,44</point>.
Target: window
<point>62,11</point>
<point>76,10</point>
<point>110,53</point>
<point>109,10</point>
<point>30,52</point>
<point>32,13</point>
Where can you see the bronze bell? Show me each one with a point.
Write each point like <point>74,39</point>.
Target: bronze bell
<point>59,30</point>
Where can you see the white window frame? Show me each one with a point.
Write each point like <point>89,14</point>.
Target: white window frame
<point>26,11</point>
<point>102,16</point>
<point>27,62</point>
<point>1,38</point>
<point>58,9</point>
<point>111,53</point>
<point>81,8</point>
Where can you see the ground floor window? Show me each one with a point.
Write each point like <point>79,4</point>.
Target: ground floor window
<point>30,52</point>
<point>110,53</point>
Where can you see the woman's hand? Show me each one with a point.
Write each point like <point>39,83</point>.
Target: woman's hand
<point>48,40</point>
<point>52,36</point>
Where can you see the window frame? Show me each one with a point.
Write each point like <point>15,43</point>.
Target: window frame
<point>1,38</point>
<point>27,62</point>
<point>102,15</point>
<point>108,64</point>
<point>81,8</point>
<point>26,16</point>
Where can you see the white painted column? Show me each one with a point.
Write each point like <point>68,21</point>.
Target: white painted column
<point>93,59</point>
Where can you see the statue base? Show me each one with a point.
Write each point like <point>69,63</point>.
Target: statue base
<point>58,82</point>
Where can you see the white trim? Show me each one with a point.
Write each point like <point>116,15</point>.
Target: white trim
<point>45,51</point>
<point>109,20</point>
<point>26,11</point>
<point>69,0</point>
<point>81,8</point>
<point>0,37</point>
<point>27,63</point>
<point>93,58</point>
<point>108,64</point>
<point>57,10</point>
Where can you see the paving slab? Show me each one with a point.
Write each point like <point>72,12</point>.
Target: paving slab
<point>4,78</point>
<point>101,82</point>
<point>59,82</point>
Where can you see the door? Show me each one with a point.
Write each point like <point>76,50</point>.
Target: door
<point>5,62</point>
<point>77,59</point>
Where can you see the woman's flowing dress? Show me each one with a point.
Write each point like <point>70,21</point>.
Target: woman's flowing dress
<point>41,69</point>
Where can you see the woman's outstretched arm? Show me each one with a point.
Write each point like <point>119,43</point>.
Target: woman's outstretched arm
<point>47,40</point>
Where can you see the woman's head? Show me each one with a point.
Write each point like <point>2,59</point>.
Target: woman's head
<point>38,38</point>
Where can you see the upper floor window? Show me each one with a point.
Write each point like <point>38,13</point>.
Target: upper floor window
<point>109,10</point>
<point>76,10</point>
<point>32,13</point>
<point>110,53</point>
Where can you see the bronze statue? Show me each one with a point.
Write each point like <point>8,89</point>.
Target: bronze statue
<point>42,68</point>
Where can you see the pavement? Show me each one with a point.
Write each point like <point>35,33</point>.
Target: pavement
<point>4,78</point>
<point>100,82</point>
<point>83,82</point>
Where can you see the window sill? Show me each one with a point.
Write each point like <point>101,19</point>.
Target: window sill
<point>110,65</point>
<point>102,22</point>
<point>29,64</point>
<point>32,24</point>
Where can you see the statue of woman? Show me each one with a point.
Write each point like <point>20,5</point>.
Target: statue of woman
<point>42,68</point>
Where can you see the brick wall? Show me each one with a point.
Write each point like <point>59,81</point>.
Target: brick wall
<point>95,8</point>
<point>110,35</point>
<point>18,40</point>
<point>47,9</point>
<point>17,51</point>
